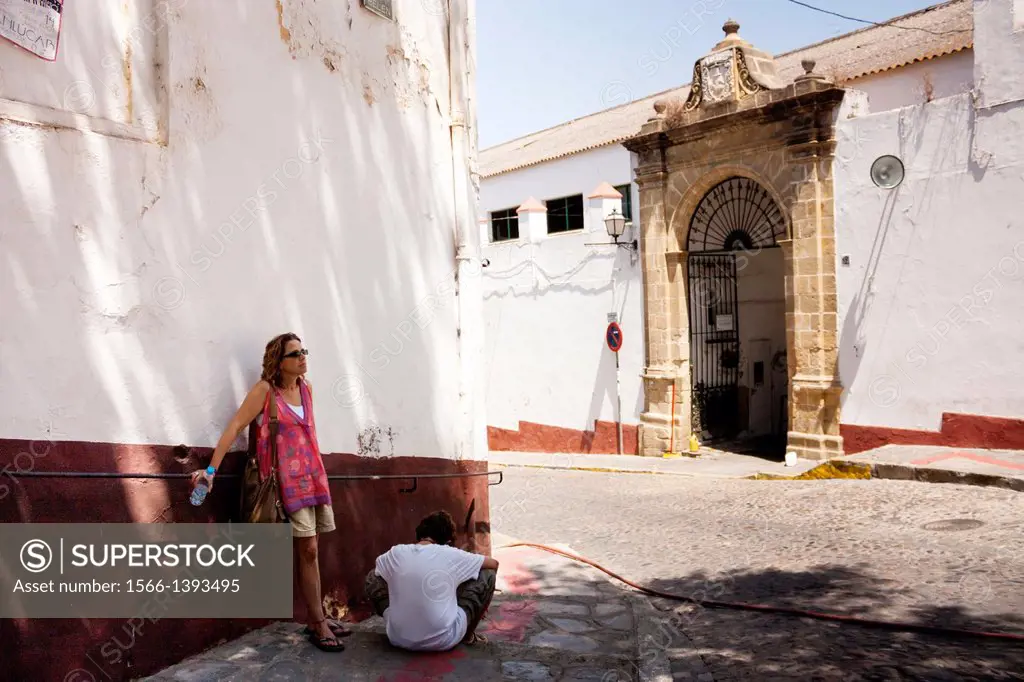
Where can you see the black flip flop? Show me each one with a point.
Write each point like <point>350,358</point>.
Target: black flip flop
<point>324,643</point>
<point>337,628</point>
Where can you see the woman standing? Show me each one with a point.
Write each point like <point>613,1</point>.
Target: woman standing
<point>301,474</point>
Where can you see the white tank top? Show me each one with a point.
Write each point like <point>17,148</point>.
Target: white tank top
<point>298,409</point>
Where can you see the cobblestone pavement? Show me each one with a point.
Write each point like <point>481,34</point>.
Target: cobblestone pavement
<point>945,555</point>
<point>553,620</point>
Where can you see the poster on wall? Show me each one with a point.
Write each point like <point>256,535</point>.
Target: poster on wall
<point>33,25</point>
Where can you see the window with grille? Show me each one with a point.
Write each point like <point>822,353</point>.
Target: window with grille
<point>504,225</point>
<point>565,214</point>
<point>627,200</point>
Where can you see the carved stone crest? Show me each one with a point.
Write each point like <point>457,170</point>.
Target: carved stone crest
<point>717,77</point>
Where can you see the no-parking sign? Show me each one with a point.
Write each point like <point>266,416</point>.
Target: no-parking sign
<point>613,336</point>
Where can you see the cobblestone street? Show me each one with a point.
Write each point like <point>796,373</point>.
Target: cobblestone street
<point>935,554</point>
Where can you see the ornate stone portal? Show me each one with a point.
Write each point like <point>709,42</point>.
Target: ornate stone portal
<point>741,121</point>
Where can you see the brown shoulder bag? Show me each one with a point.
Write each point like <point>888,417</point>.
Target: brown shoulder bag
<point>261,497</point>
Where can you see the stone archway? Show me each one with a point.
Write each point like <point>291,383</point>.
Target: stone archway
<point>736,324</point>
<point>741,121</point>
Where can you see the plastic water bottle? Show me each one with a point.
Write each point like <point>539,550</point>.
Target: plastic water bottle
<point>201,489</point>
<point>199,492</point>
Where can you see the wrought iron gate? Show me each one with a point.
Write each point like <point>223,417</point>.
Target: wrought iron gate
<point>714,344</point>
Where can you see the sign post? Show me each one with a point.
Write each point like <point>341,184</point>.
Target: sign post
<point>613,337</point>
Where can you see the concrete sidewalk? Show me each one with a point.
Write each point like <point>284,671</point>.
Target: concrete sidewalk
<point>553,619</point>
<point>708,463</point>
<point>997,468</point>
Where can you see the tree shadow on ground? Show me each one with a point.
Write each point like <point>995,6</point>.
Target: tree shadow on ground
<point>739,644</point>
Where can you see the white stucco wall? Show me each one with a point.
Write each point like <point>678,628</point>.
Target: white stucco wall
<point>929,307</point>
<point>576,174</point>
<point>306,185</point>
<point>999,48</point>
<point>546,305</point>
<point>912,84</point>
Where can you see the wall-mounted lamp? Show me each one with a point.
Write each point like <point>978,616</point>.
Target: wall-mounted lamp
<point>615,224</point>
<point>887,172</point>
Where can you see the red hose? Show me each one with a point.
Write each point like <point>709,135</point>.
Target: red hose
<point>763,608</point>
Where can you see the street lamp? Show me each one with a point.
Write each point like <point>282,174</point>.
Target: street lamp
<point>615,224</point>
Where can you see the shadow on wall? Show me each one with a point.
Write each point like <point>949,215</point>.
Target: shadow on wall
<point>855,324</point>
<point>604,386</point>
<point>166,302</point>
<point>867,314</point>
<point>873,311</point>
<point>153,272</point>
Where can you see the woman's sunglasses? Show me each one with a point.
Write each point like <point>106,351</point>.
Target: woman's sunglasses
<point>297,353</point>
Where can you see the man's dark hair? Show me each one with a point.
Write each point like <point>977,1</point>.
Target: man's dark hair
<point>439,527</point>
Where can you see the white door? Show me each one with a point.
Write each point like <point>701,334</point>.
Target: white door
<point>759,380</point>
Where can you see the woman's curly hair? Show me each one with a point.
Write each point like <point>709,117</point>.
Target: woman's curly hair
<point>273,356</point>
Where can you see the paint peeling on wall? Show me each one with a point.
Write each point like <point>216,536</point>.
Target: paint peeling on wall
<point>368,91</point>
<point>198,107</point>
<point>286,35</point>
<point>127,73</point>
<point>299,27</point>
<point>373,440</point>
<point>410,73</point>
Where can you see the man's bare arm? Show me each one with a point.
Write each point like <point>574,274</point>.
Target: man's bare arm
<point>490,564</point>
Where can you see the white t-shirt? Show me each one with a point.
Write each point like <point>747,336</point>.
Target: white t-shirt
<point>423,614</point>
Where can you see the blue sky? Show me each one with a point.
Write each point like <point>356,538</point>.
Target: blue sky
<point>543,62</point>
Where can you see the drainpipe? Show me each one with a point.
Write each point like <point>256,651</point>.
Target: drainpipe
<point>471,432</point>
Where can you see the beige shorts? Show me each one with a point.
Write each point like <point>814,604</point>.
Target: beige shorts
<point>310,521</point>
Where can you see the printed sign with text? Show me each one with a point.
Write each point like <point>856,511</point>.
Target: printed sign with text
<point>155,570</point>
<point>33,25</point>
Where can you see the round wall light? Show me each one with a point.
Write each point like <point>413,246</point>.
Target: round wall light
<point>887,172</point>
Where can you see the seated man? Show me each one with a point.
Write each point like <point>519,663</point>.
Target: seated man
<point>432,595</point>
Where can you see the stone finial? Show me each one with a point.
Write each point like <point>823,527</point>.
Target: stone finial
<point>809,74</point>
<point>660,107</point>
<point>732,36</point>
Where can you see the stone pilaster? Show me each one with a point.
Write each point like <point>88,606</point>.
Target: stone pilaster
<point>811,305</point>
<point>654,434</point>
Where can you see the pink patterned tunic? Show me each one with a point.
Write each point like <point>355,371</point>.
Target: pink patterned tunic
<point>302,477</point>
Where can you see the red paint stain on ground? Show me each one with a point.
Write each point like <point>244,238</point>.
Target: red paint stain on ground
<point>515,574</point>
<point>984,459</point>
<point>512,621</point>
<point>430,666</point>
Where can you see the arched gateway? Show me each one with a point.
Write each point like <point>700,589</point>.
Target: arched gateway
<point>736,318</point>
<point>737,235</point>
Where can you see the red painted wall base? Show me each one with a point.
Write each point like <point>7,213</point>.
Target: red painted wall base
<point>532,437</point>
<point>370,515</point>
<point>957,430</point>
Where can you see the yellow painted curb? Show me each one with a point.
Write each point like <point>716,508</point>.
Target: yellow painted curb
<point>825,471</point>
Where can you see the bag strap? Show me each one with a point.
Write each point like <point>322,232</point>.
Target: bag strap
<point>273,428</point>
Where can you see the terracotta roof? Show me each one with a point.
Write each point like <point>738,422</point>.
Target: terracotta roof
<point>948,28</point>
